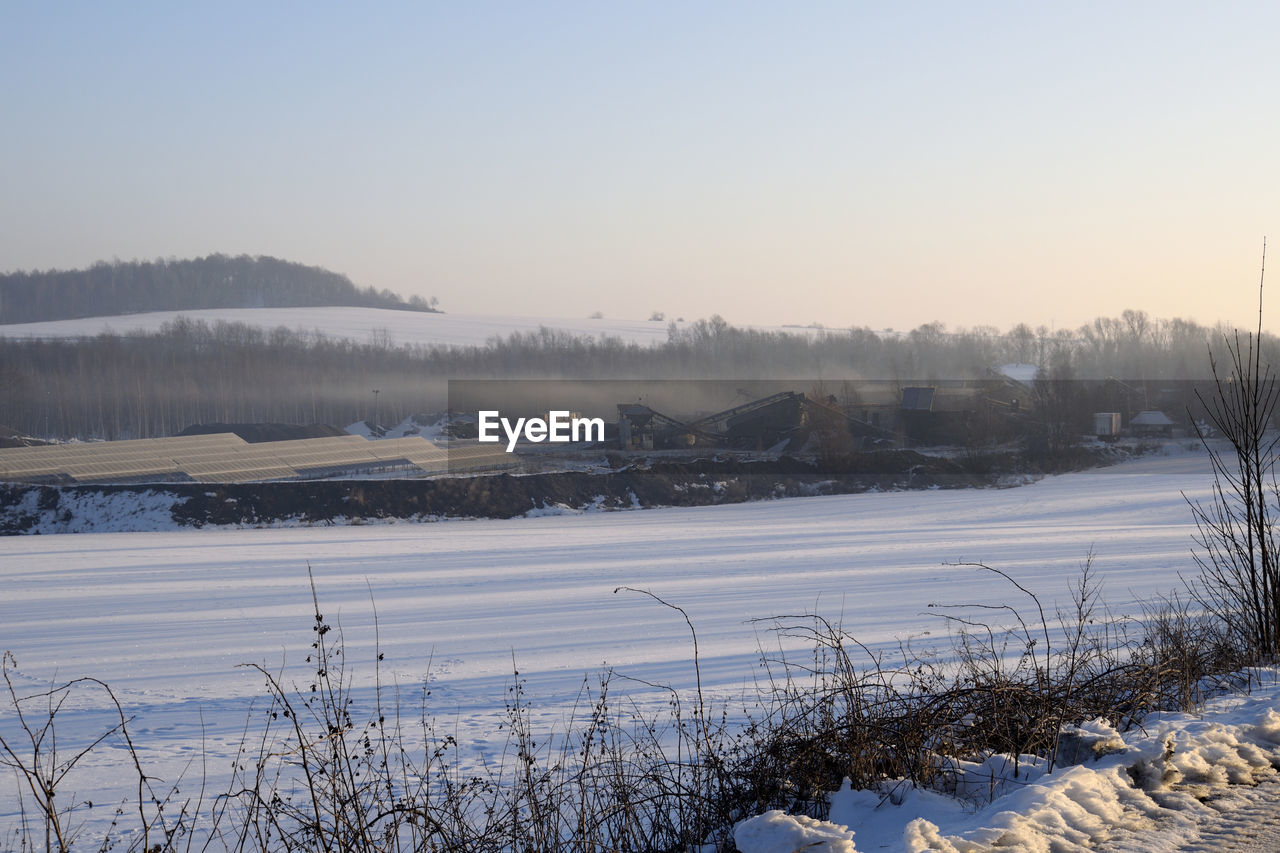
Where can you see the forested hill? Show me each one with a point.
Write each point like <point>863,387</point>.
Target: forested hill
<point>216,281</point>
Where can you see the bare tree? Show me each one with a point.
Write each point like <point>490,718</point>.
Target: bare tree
<point>1236,529</point>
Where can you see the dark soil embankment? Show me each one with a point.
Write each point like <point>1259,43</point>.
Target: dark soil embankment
<point>504,495</point>
<point>677,483</point>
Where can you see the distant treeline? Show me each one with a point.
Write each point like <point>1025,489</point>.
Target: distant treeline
<point>129,386</point>
<point>216,281</point>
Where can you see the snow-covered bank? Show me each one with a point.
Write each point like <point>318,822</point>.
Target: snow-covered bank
<point>166,618</point>
<point>686,482</point>
<point>1151,789</point>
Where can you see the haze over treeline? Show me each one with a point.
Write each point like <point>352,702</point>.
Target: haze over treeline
<point>137,385</point>
<point>214,281</point>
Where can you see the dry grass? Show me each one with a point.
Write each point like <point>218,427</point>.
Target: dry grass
<point>318,770</point>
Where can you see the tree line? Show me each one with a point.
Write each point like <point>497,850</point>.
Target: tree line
<point>139,385</point>
<point>215,281</point>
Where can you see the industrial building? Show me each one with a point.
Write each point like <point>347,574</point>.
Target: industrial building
<point>227,458</point>
<point>788,418</point>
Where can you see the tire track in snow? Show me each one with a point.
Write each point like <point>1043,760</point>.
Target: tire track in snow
<point>1247,820</point>
<point>1238,820</point>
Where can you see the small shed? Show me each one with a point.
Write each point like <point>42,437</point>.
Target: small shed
<point>1106,424</point>
<point>1151,423</point>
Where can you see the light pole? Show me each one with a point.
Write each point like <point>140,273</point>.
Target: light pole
<point>375,407</point>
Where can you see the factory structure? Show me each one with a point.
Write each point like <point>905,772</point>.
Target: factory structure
<point>767,417</point>
<point>872,414</point>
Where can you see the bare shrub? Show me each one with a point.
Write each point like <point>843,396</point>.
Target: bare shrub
<point>325,767</point>
<point>53,816</point>
<point>1238,553</point>
<point>1008,684</point>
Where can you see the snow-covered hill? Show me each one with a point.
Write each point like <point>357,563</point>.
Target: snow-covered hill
<point>363,324</point>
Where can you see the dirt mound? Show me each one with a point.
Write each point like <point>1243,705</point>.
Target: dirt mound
<point>13,438</point>
<point>257,433</point>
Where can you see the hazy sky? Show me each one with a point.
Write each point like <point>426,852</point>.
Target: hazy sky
<point>879,164</point>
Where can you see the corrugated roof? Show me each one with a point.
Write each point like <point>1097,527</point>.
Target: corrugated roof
<point>226,458</point>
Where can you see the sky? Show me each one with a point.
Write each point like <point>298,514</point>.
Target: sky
<point>844,163</point>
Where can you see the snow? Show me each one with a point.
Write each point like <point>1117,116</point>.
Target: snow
<point>1146,790</point>
<point>85,511</point>
<point>433,427</point>
<point>777,832</point>
<point>366,324</point>
<point>166,618</point>
<point>1018,372</point>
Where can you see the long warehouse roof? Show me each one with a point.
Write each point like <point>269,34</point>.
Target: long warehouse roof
<point>227,458</point>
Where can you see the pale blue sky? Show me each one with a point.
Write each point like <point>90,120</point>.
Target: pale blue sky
<point>848,163</point>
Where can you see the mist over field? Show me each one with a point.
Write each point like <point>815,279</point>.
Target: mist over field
<point>94,380</point>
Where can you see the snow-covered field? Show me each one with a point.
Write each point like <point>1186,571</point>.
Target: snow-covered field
<point>365,324</point>
<point>165,618</point>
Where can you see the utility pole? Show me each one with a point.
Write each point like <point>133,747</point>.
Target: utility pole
<point>375,408</point>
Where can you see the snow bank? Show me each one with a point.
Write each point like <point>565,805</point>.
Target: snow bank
<point>92,511</point>
<point>778,832</point>
<point>433,427</point>
<point>1130,784</point>
<point>1024,373</point>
